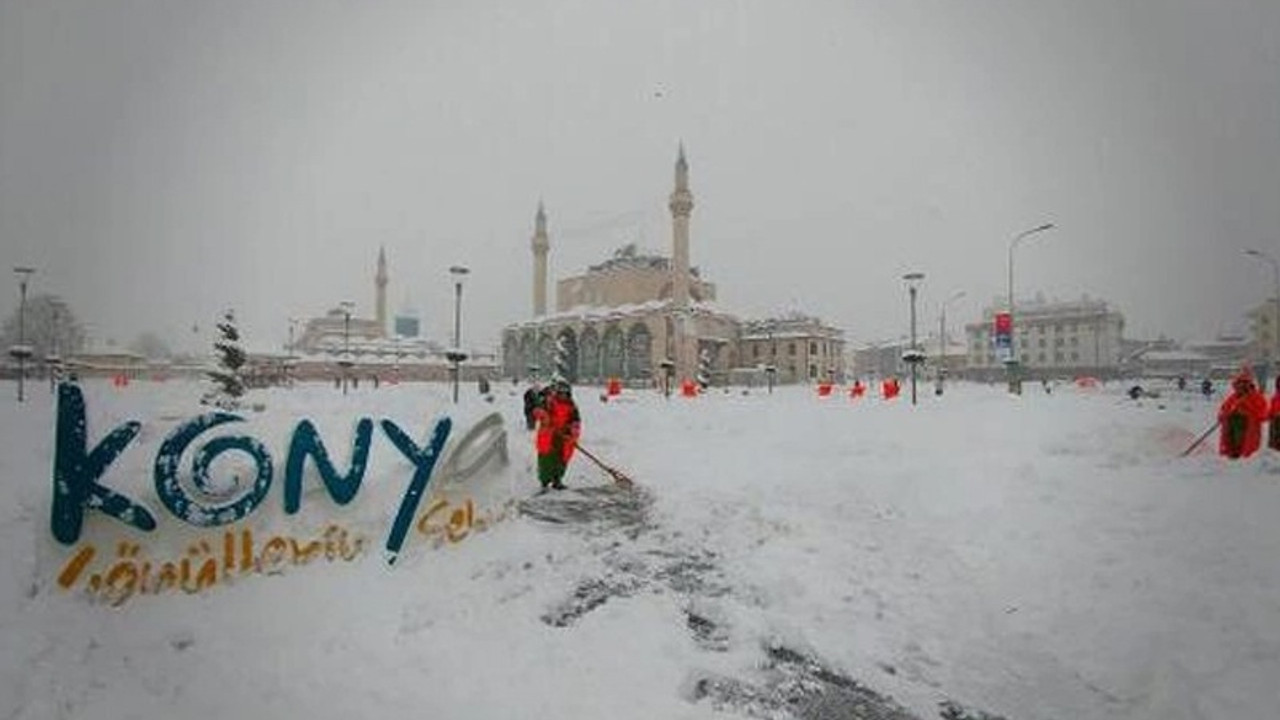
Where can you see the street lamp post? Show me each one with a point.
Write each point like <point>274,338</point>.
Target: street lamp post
<point>291,360</point>
<point>345,363</point>
<point>942,337</point>
<point>1274,352</point>
<point>1011,364</point>
<point>52,360</point>
<point>771,369</point>
<point>22,351</point>
<point>455,355</point>
<point>913,356</point>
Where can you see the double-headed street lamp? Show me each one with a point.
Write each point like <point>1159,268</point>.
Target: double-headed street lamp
<point>455,354</point>
<point>1274,352</point>
<point>1011,363</point>
<point>22,350</point>
<point>345,363</point>
<point>942,337</point>
<point>913,356</point>
<point>52,360</point>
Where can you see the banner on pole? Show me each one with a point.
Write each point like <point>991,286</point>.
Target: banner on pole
<point>1002,337</point>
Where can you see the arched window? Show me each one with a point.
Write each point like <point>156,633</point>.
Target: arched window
<point>612,352</point>
<point>639,356</point>
<point>589,356</point>
<point>569,341</point>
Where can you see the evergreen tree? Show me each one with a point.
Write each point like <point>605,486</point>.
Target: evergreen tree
<point>228,381</point>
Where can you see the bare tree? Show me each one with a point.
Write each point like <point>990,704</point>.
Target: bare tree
<point>50,327</point>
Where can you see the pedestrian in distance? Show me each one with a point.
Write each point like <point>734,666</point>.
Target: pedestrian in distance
<point>558,427</point>
<point>1273,425</point>
<point>1240,418</point>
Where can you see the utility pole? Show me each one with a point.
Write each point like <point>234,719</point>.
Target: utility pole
<point>913,356</point>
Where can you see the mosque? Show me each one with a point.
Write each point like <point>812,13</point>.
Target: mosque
<point>637,317</point>
<point>340,342</point>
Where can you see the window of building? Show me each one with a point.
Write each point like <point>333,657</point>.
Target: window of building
<point>813,349</point>
<point>1040,329</point>
<point>813,371</point>
<point>755,351</point>
<point>1057,357</point>
<point>1057,327</point>
<point>1041,357</point>
<point>1074,341</point>
<point>791,350</point>
<point>1058,342</point>
<point>1075,356</point>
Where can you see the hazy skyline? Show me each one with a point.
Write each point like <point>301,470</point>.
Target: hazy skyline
<point>162,161</point>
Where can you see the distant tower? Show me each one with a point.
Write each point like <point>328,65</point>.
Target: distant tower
<point>381,300</point>
<point>540,248</point>
<point>681,206</point>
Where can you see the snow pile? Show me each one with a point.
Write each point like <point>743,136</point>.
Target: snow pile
<point>1046,556</point>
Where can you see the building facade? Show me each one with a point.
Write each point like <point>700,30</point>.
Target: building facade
<point>1263,332</point>
<point>341,343</point>
<point>1051,339</point>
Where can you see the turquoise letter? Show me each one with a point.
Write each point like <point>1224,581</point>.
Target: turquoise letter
<point>76,473</point>
<point>423,459</point>
<point>342,488</point>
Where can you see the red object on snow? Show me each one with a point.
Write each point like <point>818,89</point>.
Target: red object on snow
<point>857,390</point>
<point>1250,406</point>
<point>688,388</point>
<point>890,388</point>
<point>614,387</point>
<point>824,389</point>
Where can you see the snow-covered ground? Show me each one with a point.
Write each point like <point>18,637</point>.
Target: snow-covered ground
<point>1047,556</point>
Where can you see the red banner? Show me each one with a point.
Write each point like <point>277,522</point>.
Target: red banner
<point>1004,324</point>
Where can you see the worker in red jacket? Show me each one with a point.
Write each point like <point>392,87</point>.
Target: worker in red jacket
<point>890,388</point>
<point>1241,416</point>
<point>559,426</point>
<point>1273,426</point>
<point>858,389</point>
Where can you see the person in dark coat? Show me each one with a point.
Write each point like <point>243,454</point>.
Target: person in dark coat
<point>533,398</point>
<point>1273,421</point>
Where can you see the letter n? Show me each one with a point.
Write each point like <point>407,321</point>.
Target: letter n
<point>306,443</point>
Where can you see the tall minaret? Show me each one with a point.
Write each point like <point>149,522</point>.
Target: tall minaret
<point>681,206</point>
<point>381,299</point>
<point>540,248</point>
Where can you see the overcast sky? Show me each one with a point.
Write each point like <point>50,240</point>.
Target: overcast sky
<point>162,160</point>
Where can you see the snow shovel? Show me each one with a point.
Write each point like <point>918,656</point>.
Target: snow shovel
<point>615,473</point>
<point>1200,439</point>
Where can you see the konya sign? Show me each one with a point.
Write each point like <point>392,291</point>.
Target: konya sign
<point>190,529</point>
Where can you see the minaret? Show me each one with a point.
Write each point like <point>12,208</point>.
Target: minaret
<point>381,299</point>
<point>681,206</point>
<point>540,248</point>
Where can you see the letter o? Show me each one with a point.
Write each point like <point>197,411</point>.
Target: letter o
<point>205,511</point>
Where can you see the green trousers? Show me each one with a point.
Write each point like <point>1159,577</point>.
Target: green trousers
<point>551,467</point>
